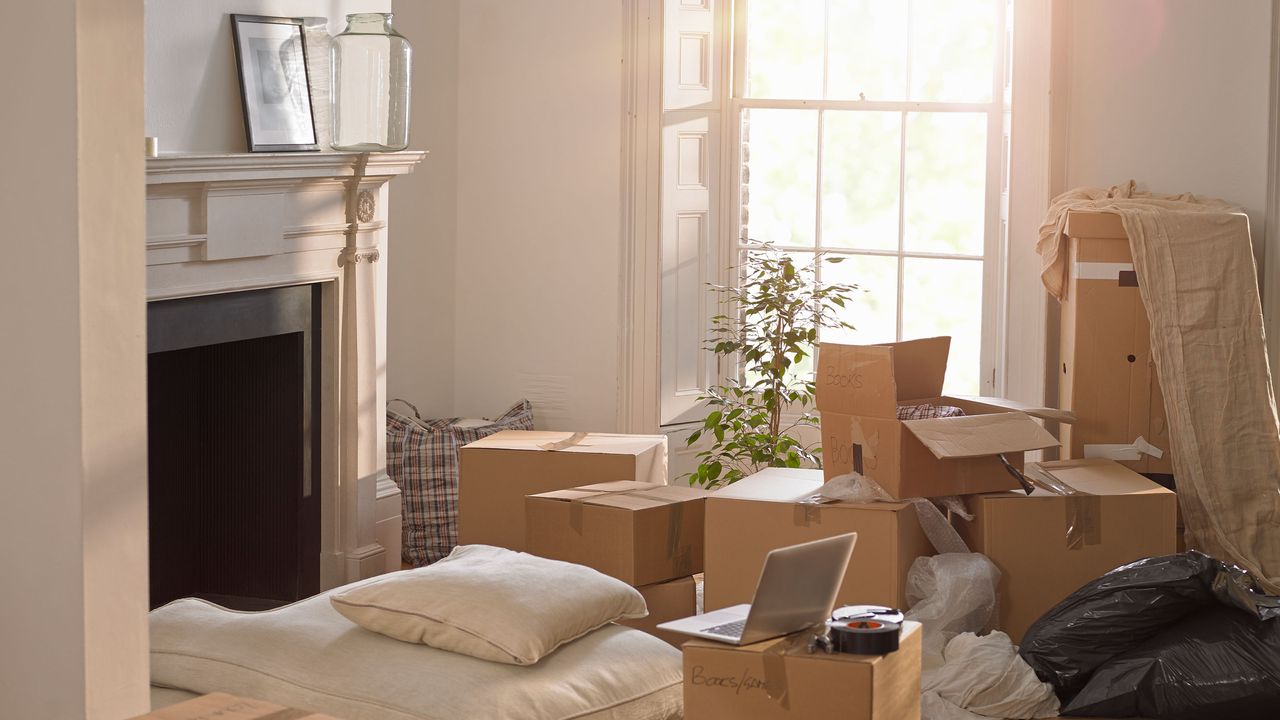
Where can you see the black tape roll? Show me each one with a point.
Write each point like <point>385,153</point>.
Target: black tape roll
<point>864,637</point>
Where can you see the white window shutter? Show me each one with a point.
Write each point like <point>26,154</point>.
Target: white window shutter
<point>690,229</point>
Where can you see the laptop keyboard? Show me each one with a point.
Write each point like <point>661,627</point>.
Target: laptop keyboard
<point>731,630</point>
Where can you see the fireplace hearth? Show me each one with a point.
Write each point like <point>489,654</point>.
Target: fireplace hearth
<point>233,405</point>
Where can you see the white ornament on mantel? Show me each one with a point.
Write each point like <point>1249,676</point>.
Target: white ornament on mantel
<point>244,221</point>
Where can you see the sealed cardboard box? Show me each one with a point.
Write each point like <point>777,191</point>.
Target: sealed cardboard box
<point>1047,544</point>
<point>859,391</point>
<point>741,532</point>
<point>640,533</point>
<point>497,472</point>
<point>671,600</point>
<point>1108,378</point>
<point>779,678</point>
<point>229,707</point>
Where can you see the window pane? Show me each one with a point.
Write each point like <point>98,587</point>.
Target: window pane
<point>784,48</point>
<point>867,55</point>
<point>946,182</point>
<point>780,169</point>
<point>874,310</point>
<point>860,168</point>
<point>953,50</point>
<point>944,297</point>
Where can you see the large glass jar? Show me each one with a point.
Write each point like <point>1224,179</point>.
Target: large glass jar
<point>370,107</point>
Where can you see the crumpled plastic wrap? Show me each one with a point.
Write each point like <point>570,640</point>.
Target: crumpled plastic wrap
<point>856,488</point>
<point>983,677</point>
<point>1179,636</point>
<point>950,594</point>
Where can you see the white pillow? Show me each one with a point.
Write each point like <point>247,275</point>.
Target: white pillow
<point>491,603</point>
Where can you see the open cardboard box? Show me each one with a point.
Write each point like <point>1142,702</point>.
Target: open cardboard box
<point>859,390</point>
<point>1047,544</point>
<point>640,533</point>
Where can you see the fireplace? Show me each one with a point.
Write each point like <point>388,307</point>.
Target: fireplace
<point>269,403</point>
<point>234,455</point>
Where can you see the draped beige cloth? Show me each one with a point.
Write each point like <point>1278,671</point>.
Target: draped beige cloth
<point>1197,279</point>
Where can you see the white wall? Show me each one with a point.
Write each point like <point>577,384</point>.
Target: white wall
<point>1171,93</point>
<point>73,613</point>
<point>538,230</point>
<point>193,99</point>
<point>420,260</point>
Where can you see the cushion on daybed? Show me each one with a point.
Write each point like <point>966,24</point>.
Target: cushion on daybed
<point>306,655</point>
<point>491,603</point>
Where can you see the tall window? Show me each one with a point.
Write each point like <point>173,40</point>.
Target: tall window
<point>875,130</point>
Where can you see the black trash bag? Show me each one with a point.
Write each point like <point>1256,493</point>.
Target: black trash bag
<point>1216,663</point>
<point>1128,606</point>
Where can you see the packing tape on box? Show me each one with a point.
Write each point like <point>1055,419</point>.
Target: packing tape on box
<point>574,439</point>
<point>1084,521</point>
<point>864,637</point>
<point>806,513</point>
<point>1102,270</point>
<point>775,662</point>
<point>680,554</point>
<point>1083,511</point>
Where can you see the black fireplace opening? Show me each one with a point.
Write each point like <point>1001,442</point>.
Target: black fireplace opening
<point>233,406</point>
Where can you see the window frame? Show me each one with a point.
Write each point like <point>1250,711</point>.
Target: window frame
<point>995,236</point>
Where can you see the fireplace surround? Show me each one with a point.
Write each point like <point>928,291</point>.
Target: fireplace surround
<point>228,223</point>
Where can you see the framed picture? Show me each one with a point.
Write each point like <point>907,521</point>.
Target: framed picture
<point>272,57</point>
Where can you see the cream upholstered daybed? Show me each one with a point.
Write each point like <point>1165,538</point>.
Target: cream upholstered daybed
<point>308,655</point>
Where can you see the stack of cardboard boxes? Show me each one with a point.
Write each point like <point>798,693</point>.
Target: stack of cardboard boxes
<point>603,501</point>
<point>595,499</point>
<point>646,535</point>
<point>1083,519</point>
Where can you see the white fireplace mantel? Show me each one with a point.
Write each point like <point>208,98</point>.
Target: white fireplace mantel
<point>230,222</point>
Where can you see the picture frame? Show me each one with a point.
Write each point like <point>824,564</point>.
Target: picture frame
<point>275,94</point>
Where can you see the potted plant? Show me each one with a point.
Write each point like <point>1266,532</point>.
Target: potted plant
<point>768,330</point>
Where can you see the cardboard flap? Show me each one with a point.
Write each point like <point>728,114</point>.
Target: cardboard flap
<point>920,366</point>
<point>869,380</point>
<point>1098,476</point>
<point>996,404</point>
<point>980,435</point>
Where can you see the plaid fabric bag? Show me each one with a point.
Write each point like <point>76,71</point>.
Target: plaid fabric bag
<point>422,459</point>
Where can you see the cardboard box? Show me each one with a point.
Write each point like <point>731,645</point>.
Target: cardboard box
<point>859,389</point>
<point>498,471</point>
<point>229,707</point>
<point>1107,376</point>
<point>741,532</point>
<point>1048,545</point>
<point>671,600</point>
<point>640,533</point>
<point>779,679</point>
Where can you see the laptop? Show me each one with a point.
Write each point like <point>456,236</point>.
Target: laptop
<point>797,589</point>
